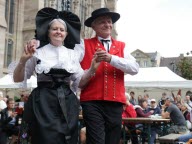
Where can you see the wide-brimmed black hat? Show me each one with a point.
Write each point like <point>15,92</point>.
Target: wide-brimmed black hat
<point>46,15</point>
<point>101,12</point>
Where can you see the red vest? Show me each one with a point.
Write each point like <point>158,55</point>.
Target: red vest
<point>108,82</point>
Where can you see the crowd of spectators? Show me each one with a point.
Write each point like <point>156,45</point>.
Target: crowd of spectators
<point>11,112</point>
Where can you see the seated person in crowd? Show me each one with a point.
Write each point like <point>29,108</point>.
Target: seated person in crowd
<point>142,108</point>
<point>176,116</point>
<point>154,107</point>
<point>142,111</point>
<point>9,120</point>
<point>157,111</point>
<point>185,138</point>
<point>129,112</point>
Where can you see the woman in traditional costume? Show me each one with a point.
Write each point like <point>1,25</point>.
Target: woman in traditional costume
<point>52,108</point>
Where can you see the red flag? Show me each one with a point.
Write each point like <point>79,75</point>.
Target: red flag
<point>179,92</point>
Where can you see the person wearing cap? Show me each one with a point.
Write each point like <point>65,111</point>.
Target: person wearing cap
<point>153,106</point>
<point>170,110</point>
<point>52,108</point>
<point>154,129</point>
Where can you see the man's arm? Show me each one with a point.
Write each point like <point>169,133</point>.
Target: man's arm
<point>127,64</point>
<point>165,114</point>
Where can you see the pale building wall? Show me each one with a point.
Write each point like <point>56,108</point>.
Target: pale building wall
<point>3,26</point>
<point>24,24</point>
<point>30,11</point>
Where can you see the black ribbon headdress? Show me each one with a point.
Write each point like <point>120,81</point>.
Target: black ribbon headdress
<point>46,15</point>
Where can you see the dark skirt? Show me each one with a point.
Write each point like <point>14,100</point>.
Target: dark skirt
<point>52,115</point>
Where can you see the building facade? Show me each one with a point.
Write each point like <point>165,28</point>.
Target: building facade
<point>147,59</point>
<point>17,24</point>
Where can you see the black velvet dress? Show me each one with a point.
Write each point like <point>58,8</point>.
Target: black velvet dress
<point>52,111</point>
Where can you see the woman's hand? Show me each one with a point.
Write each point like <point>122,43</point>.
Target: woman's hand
<point>29,49</point>
<point>95,63</point>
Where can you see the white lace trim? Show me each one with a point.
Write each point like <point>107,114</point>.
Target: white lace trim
<point>60,57</point>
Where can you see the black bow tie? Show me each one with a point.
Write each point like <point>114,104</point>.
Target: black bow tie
<point>105,41</point>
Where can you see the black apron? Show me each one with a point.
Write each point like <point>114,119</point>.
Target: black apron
<point>52,113</point>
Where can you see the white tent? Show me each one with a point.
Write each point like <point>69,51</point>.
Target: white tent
<point>156,77</point>
<point>7,82</point>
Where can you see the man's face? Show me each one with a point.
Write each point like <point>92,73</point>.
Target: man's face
<point>102,26</point>
<point>153,104</point>
<point>187,98</point>
<point>167,102</point>
<point>11,104</point>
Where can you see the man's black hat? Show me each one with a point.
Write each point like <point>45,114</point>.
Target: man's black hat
<point>101,12</point>
<point>46,15</point>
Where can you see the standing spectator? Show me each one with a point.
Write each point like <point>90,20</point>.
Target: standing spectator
<point>138,99</point>
<point>3,104</point>
<point>103,97</point>
<point>176,116</point>
<point>162,101</point>
<point>132,99</point>
<point>146,96</point>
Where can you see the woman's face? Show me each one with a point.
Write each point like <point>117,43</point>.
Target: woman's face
<point>57,33</point>
<point>183,107</point>
<point>144,104</point>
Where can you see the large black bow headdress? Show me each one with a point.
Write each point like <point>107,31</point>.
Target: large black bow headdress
<point>46,15</point>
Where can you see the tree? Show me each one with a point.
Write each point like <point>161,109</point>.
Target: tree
<point>185,68</point>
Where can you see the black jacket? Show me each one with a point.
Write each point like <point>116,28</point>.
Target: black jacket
<point>5,119</point>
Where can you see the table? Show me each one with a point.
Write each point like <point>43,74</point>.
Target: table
<point>148,122</point>
<point>142,120</point>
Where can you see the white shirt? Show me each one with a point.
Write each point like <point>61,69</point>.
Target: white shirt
<point>2,104</point>
<point>54,57</point>
<point>127,64</point>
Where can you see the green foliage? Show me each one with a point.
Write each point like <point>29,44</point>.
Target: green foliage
<point>185,68</point>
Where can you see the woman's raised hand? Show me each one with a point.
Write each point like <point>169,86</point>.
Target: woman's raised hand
<point>30,48</point>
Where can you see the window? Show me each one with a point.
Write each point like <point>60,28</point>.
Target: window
<point>145,64</point>
<point>8,52</point>
<point>10,19</point>
<point>9,15</point>
<point>82,12</point>
<point>137,54</point>
<point>138,62</point>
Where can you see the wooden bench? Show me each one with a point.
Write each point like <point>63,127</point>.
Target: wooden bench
<point>170,138</point>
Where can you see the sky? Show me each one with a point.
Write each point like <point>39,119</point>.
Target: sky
<point>164,26</point>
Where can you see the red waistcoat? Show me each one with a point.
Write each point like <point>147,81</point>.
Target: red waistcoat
<point>108,82</point>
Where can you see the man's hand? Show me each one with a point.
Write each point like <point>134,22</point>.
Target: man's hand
<point>103,56</point>
<point>13,114</point>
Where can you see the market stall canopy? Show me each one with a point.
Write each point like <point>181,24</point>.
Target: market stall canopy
<point>7,82</point>
<point>156,77</point>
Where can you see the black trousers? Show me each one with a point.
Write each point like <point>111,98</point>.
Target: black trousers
<point>103,121</point>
